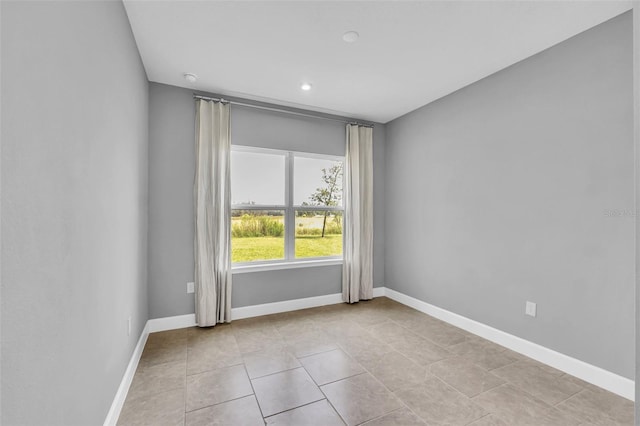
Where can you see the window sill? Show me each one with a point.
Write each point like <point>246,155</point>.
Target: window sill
<point>243,269</point>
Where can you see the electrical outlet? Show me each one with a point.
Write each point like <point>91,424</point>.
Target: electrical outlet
<point>191,287</point>
<point>530,309</point>
<point>129,327</point>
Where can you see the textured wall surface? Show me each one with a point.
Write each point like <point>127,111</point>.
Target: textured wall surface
<point>74,209</point>
<point>636,102</point>
<point>520,187</point>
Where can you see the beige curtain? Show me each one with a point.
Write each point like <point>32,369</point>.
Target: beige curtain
<point>357,269</point>
<point>212,243</point>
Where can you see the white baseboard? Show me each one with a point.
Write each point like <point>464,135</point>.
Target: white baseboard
<point>171,323</point>
<point>123,389</point>
<point>589,373</point>
<point>284,306</point>
<point>189,320</point>
<point>292,305</point>
<point>379,291</point>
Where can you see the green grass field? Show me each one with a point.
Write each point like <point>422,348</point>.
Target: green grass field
<point>261,237</point>
<point>246,249</point>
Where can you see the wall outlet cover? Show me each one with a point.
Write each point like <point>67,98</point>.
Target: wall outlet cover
<point>530,309</point>
<point>191,287</point>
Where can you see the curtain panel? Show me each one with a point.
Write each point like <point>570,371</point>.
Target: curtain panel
<point>357,269</point>
<point>212,242</point>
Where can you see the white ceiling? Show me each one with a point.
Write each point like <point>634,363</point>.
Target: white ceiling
<point>408,54</point>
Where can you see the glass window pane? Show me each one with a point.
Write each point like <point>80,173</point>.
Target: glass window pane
<point>318,233</point>
<point>257,235</point>
<point>257,178</point>
<point>317,182</point>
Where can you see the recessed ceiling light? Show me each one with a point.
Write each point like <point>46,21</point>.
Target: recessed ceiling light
<point>306,87</point>
<point>350,36</point>
<point>191,78</point>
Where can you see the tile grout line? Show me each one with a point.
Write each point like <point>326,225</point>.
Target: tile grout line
<point>219,403</point>
<point>254,391</point>
<point>426,338</point>
<point>569,397</point>
<point>232,399</point>
<point>345,378</point>
<point>320,386</point>
<point>272,374</point>
<point>555,406</point>
<point>386,414</point>
<point>329,401</point>
<point>385,386</point>
<point>213,369</point>
<point>428,373</point>
<point>186,369</point>
<point>552,406</point>
<point>486,415</point>
<point>389,390</point>
<point>299,406</point>
<point>536,399</point>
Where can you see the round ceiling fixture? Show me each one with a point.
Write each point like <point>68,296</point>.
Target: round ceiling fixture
<point>191,78</point>
<point>350,36</point>
<point>306,86</point>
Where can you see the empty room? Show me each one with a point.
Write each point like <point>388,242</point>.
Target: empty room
<point>319,212</point>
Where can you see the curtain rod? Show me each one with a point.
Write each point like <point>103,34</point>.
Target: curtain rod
<point>301,114</point>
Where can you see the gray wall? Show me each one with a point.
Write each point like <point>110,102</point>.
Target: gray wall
<point>636,92</point>
<point>74,209</point>
<point>499,193</point>
<point>171,171</point>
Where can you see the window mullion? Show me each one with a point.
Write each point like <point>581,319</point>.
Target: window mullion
<point>310,248</point>
<point>289,216</point>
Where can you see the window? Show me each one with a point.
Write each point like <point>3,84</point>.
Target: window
<point>286,206</point>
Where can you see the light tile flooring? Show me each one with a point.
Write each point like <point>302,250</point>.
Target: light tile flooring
<point>374,363</point>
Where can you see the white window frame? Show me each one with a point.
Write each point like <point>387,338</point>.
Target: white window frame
<point>289,208</point>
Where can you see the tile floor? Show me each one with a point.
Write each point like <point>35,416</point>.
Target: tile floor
<point>374,363</point>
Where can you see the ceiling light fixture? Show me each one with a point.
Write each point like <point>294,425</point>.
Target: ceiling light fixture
<point>191,78</point>
<point>350,36</point>
<point>306,87</point>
